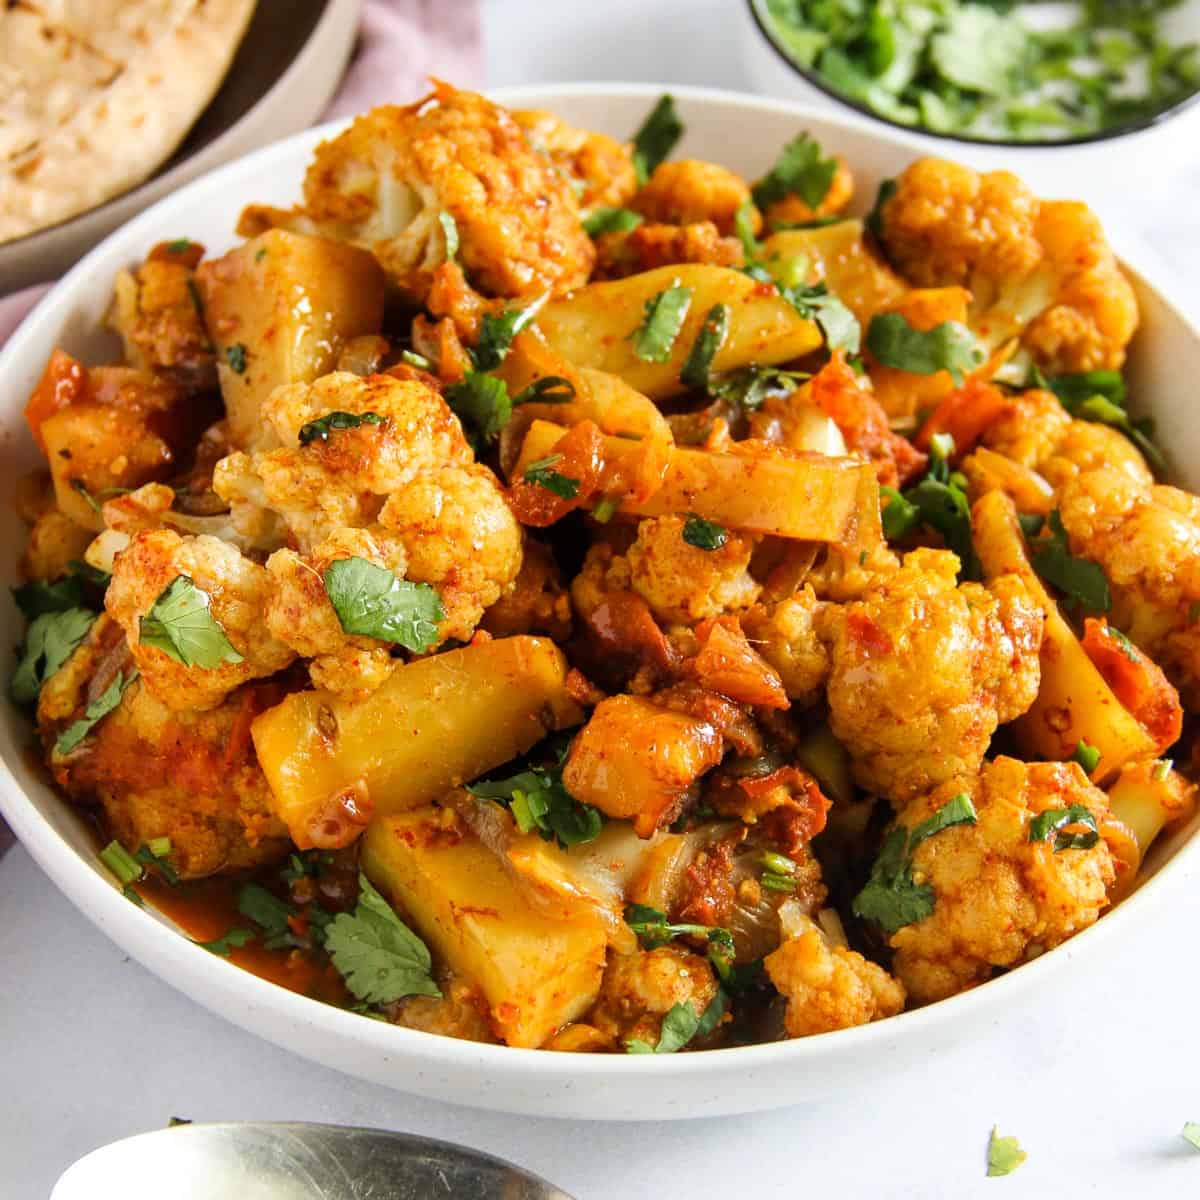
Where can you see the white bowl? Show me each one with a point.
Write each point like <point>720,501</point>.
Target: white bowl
<point>745,133</point>
<point>1166,147</point>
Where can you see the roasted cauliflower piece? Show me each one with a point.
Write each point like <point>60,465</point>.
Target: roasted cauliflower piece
<point>159,772</point>
<point>1000,898</point>
<point>343,478</point>
<point>639,990</point>
<point>687,190</point>
<point>385,182</point>
<point>1147,539</point>
<point>651,245</point>
<point>599,168</point>
<point>924,670</point>
<point>793,209</point>
<point>827,986</point>
<point>683,583</point>
<point>789,636</point>
<point>238,591</point>
<point>1039,270</point>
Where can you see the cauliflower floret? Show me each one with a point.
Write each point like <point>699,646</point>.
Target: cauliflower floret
<point>793,209</point>
<point>788,636</point>
<point>599,167</point>
<point>385,182</point>
<point>999,898</point>
<point>924,670</point>
<point>684,584</point>
<point>827,986</point>
<point>1147,539</point>
<point>340,480</point>
<point>461,536</point>
<point>238,591</point>
<point>688,189</point>
<point>629,252</point>
<point>639,989</point>
<point>1038,269</point>
<point>1037,432</point>
<point>300,615</point>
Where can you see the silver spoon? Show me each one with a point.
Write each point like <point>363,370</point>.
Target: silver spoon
<point>259,1160</point>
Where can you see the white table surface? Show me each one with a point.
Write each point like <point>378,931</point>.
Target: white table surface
<point>1096,1077</point>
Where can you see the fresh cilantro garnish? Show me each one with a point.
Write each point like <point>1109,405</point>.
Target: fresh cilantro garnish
<point>41,596</point>
<point>95,502</point>
<point>538,800</point>
<point>709,340</point>
<point>238,936</point>
<point>979,50</point>
<point>800,169</point>
<point>1191,1134</point>
<point>153,855</point>
<point>235,355</point>
<point>939,500</point>
<point>653,929</point>
<point>664,318</point>
<point>1099,396</point>
<point>95,712</point>
<point>816,302</point>
<point>704,535</point>
<point>1079,579</point>
<point>320,429</point>
<point>656,138</point>
<point>497,330</point>
<point>680,1026</point>
<point>259,255</point>
<point>610,220</point>
<point>378,956</point>
<point>1055,820</point>
<point>748,387</point>
<point>370,601</point>
<point>181,625</point>
<point>950,346</point>
<point>1004,1154</point>
<point>178,246</point>
<point>267,911</point>
<point>49,642</point>
<point>891,897</point>
<point>542,473</point>
<point>1074,389</point>
<point>1087,756</point>
<point>549,389</point>
<point>483,405</point>
<point>449,233</point>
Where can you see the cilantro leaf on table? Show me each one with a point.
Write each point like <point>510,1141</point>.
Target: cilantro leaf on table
<point>320,429</point>
<point>656,138</point>
<point>664,316</point>
<point>370,601</point>
<point>378,956</point>
<point>181,625</point>
<point>49,642</point>
<point>802,170</point>
<point>482,403</point>
<point>1191,1134</point>
<point>891,897</point>
<point>1079,579</point>
<point>95,712</point>
<point>950,346</point>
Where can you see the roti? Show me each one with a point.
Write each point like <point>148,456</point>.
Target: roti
<point>96,94</point>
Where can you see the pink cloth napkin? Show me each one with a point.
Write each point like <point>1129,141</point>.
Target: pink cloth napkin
<point>401,43</point>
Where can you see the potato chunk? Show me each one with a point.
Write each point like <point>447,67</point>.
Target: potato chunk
<point>537,968</point>
<point>279,308</point>
<point>434,723</point>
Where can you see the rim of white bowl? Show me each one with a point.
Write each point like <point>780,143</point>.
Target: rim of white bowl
<point>230,990</point>
<point>813,78</point>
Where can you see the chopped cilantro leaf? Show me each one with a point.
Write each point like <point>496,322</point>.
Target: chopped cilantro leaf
<point>320,429</point>
<point>681,1025</point>
<point>704,535</point>
<point>709,340</point>
<point>378,956</point>
<point>549,389</point>
<point>235,355</point>
<point>900,517</point>
<point>181,625</point>
<point>483,405</point>
<point>542,473</point>
<point>370,601</point>
<point>1087,756</point>
<point>1079,579</point>
<point>979,50</point>
<point>653,930</point>
<point>664,317</point>
<point>802,170</point>
<point>610,220</point>
<point>49,642</point>
<point>874,221</point>
<point>266,910</point>
<point>178,246</point>
<point>1004,1154</point>
<point>236,937</point>
<point>950,346</point>
<point>748,387</point>
<point>95,712</point>
<point>838,324</point>
<point>41,596</point>
<point>1055,821</point>
<point>656,138</point>
<point>497,330</point>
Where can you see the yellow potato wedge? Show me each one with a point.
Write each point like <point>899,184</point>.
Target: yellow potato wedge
<point>592,326</point>
<point>1073,703</point>
<point>537,968</point>
<point>435,723</point>
<point>290,302</point>
<point>817,499</point>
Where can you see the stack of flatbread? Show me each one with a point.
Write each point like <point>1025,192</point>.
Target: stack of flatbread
<point>96,94</point>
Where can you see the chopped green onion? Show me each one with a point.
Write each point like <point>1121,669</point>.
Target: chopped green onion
<point>121,863</point>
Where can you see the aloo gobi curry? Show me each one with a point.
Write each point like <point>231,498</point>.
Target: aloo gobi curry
<point>543,591</point>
